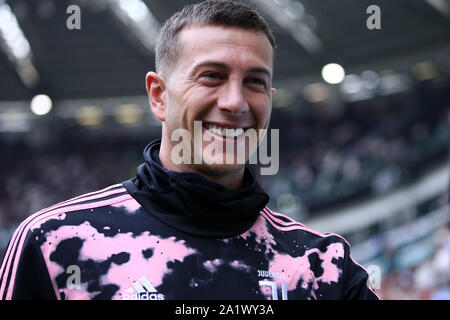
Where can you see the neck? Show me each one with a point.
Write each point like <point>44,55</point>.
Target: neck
<point>231,179</point>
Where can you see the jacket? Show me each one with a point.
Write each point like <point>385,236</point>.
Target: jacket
<point>166,235</point>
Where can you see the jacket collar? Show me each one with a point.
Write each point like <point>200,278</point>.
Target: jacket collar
<point>193,204</point>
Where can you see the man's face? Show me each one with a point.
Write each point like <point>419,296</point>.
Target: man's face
<point>223,78</point>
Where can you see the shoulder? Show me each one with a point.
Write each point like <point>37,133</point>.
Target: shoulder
<point>294,228</point>
<point>330,248</point>
<point>28,245</point>
<point>115,195</point>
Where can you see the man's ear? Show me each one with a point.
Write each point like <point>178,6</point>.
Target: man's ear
<point>157,95</point>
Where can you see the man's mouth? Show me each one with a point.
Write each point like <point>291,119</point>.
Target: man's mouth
<point>224,132</point>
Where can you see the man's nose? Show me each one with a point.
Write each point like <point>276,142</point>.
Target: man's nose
<point>232,98</point>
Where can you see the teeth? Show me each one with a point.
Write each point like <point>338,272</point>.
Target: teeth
<point>226,132</point>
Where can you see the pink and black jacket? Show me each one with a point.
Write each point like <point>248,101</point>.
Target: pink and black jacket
<point>171,235</point>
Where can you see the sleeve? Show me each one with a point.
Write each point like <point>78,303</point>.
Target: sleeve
<point>356,284</point>
<point>23,272</point>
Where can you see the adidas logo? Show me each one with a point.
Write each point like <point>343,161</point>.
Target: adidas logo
<point>142,290</point>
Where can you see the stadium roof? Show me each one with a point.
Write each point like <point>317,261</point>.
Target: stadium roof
<point>109,55</point>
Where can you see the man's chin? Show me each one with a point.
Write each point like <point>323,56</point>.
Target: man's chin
<point>219,168</point>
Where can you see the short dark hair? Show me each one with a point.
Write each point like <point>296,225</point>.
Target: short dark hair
<point>210,12</point>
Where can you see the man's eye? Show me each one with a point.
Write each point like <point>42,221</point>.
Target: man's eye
<point>257,81</point>
<point>212,75</point>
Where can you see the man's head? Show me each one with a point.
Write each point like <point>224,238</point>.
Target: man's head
<point>216,12</point>
<point>214,64</point>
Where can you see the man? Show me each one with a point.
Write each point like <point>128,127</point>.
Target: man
<point>197,228</point>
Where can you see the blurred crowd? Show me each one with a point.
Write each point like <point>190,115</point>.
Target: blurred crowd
<point>35,179</point>
<point>369,148</point>
<point>429,280</point>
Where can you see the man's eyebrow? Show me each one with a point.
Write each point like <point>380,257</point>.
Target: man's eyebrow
<point>260,70</point>
<point>221,65</point>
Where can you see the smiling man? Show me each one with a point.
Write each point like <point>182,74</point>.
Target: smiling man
<point>197,228</point>
<point>220,76</point>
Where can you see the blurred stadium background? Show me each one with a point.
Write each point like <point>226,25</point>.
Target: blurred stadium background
<point>365,156</point>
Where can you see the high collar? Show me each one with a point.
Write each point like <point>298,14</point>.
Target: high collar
<point>193,204</point>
